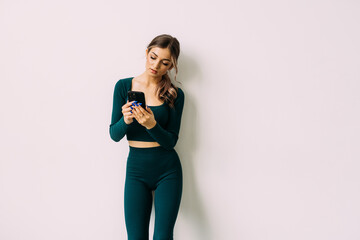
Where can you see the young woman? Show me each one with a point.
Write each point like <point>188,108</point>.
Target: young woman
<point>153,165</point>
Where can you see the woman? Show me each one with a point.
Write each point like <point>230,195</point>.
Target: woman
<point>152,132</point>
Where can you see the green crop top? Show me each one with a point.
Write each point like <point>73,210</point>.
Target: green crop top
<point>168,119</point>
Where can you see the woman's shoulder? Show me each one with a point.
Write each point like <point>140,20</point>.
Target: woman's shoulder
<point>180,98</point>
<point>123,85</point>
<point>180,93</point>
<point>124,82</point>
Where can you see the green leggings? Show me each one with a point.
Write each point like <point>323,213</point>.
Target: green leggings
<point>152,169</point>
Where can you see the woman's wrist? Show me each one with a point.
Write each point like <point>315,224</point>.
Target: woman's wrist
<point>152,125</point>
<point>128,122</point>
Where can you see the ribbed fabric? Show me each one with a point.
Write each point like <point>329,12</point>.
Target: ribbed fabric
<point>168,119</point>
<point>152,169</point>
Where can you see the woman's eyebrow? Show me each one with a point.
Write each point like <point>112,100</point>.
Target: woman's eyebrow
<point>163,59</point>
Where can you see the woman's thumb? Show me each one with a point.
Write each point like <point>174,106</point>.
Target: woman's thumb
<point>148,109</point>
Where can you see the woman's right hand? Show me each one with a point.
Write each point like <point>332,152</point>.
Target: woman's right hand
<point>126,111</point>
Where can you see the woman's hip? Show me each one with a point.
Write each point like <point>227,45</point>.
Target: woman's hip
<point>153,159</point>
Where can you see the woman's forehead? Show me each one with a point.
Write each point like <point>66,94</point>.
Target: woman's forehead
<point>163,53</point>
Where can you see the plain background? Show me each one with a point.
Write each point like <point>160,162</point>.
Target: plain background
<point>271,127</point>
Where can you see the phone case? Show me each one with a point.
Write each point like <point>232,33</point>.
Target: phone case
<point>137,96</point>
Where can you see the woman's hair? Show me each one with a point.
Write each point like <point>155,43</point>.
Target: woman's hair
<point>165,89</point>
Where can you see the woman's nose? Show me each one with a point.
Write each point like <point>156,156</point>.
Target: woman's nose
<point>157,64</point>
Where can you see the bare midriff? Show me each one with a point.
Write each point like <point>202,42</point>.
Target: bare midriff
<point>141,144</point>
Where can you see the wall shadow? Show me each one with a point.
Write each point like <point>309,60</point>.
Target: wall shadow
<point>192,207</point>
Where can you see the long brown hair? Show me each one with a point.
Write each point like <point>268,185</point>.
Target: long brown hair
<point>165,89</point>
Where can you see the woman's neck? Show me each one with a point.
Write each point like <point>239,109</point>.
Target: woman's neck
<point>149,80</point>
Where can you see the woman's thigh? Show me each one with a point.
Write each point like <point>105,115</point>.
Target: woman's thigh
<point>137,203</point>
<point>167,202</point>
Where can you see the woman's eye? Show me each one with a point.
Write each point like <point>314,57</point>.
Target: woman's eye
<point>153,58</point>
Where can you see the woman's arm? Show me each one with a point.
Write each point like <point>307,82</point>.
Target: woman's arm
<point>167,137</point>
<point>118,126</point>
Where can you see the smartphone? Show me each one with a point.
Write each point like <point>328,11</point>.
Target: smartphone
<point>137,96</point>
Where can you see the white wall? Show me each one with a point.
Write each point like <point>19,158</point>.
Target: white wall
<point>270,134</point>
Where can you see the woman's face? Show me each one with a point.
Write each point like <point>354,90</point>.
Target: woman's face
<point>158,61</point>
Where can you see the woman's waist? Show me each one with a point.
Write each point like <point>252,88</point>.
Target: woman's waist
<point>155,151</point>
<point>142,144</point>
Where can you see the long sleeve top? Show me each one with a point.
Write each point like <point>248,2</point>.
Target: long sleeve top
<point>168,120</point>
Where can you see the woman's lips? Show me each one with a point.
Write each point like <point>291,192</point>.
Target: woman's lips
<point>153,71</point>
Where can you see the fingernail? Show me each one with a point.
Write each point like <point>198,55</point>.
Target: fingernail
<point>131,111</point>
<point>139,103</point>
<point>135,101</point>
<point>131,107</point>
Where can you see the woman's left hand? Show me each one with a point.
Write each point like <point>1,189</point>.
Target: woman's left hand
<point>145,117</point>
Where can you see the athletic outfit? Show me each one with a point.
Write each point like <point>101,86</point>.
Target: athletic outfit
<point>150,169</point>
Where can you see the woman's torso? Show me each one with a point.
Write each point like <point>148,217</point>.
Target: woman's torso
<point>151,100</point>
